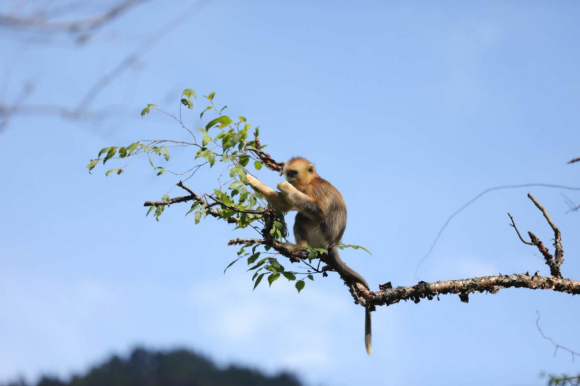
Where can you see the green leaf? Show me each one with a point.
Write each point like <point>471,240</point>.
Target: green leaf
<point>206,139</point>
<point>300,285</point>
<point>258,264</point>
<point>189,93</point>
<point>228,140</point>
<point>210,156</point>
<point>272,278</point>
<point>258,165</point>
<point>92,164</point>
<point>210,96</point>
<point>237,184</point>
<point>311,277</point>
<point>224,120</point>
<point>166,153</point>
<point>187,102</point>
<point>289,275</point>
<point>344,246</point>
<point>131,148</point>
<point>147,109</point>
<point>244,160</point>
<point>193,206</point>
<point>123,152</point>
<point>230,264</point>
<point>110,154</point>
<point>161,172</point>
<point>103,150</point>
<point>253,258</point>
<point>242,118</point>
<point>258,280</point>
<point>150,210</point>
<point>197,216</point>
<point>118,171</point>
<point>203,112</point>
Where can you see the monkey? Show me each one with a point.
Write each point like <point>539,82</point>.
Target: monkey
<point>320,221</point>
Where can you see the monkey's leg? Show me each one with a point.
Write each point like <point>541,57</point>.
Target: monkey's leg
<point>269,194</point>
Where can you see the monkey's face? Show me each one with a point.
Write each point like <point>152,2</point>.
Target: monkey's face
<point>299,172</point>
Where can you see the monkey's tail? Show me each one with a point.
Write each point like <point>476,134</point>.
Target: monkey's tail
<point>352,276</point>
<point>368,332</point>
<point>344,270</point>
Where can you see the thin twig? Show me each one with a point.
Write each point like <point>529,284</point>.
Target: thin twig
<point>247,211</point>
<point>39,23</point>
<point>513,225</point>
<point>477,197</point>
<point>558,346</point>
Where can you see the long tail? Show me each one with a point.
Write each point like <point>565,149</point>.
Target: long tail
<point>368,332</point>
<point>351,275</point>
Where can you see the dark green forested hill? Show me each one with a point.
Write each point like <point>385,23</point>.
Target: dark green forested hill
<point>166,368</point>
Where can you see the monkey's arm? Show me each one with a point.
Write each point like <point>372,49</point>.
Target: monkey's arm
<point>269,194</point>
<point>305,204</point>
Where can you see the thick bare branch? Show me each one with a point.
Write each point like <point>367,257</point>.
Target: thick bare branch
<point>489,284</point>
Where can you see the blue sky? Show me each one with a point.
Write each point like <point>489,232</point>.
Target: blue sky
<point>409,108</point>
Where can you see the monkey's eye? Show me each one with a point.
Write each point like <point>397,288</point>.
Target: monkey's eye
<point>291,173</point>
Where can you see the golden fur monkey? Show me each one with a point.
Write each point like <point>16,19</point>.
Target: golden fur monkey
<point>321,218</point>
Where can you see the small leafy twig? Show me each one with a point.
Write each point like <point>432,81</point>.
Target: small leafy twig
<point>247,211</point>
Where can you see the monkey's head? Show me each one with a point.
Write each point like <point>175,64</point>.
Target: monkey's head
<point>299,172</point>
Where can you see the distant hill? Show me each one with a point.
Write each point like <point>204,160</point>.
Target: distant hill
<point>166,368</point>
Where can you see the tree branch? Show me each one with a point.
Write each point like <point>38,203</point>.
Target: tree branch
<point>489,284</point>
<point>559,253</point>
<point>295,257</point>
<point>192,197</point>
<point>513,225</point>
<point>41,24</point>
<point>552,262</point>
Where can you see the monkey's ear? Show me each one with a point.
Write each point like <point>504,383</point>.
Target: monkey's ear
<point>311,168</point>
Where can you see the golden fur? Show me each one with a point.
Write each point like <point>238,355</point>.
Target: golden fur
<point>321,218</point>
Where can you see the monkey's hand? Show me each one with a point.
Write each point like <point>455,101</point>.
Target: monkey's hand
<point>254,182</point>
<point>269,194</point>
<point>259,187</point>
<point>284,186</point>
